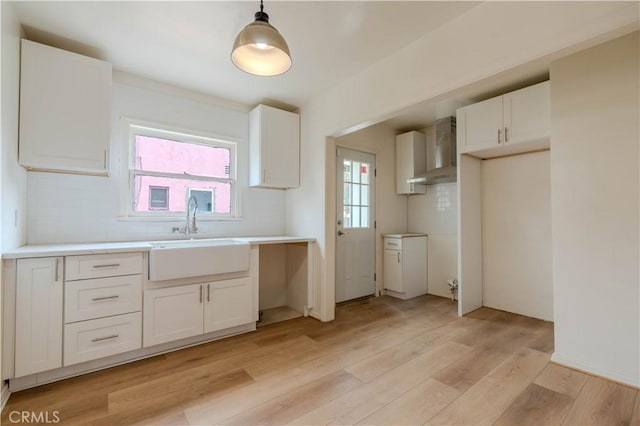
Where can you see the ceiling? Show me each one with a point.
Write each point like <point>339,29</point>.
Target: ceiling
<point>187,44</point>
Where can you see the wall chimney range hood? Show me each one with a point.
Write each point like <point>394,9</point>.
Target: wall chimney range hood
<point>445,155</point>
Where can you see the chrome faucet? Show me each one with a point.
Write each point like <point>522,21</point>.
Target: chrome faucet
<point>190,227</point>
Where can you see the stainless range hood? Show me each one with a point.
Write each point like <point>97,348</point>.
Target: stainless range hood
<point>445,155</point>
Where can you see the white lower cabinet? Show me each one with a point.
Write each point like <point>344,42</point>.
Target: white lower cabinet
<point>178,312</point>
<point>88,340</point>
<point>38,341</point>
<point>229,303</point>
<point>172,313</point>
<point>405,265</point>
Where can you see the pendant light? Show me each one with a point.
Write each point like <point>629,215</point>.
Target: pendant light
<point>259,48</point>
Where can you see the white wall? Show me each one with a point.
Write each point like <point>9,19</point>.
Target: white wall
<point>435,213</point>
<point>67,208</point>
<point>516,235</point>
<point>453,56</point>
<point>595,209</point>
<point>14,177</point>
<point>391,209</point>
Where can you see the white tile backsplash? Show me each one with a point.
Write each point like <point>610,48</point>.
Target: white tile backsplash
<point>436,211</point>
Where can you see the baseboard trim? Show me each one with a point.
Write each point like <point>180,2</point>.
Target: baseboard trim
<point>602,374</point>
<point>6,393</point>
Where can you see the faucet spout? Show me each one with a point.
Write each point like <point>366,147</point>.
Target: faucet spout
<point>191,227</point>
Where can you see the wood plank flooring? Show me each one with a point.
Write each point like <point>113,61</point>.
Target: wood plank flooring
<point>382,361</point>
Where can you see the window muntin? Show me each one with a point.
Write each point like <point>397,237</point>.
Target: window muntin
<point>184,164</point>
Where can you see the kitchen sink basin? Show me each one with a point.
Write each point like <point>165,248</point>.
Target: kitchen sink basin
<point>169,260</point>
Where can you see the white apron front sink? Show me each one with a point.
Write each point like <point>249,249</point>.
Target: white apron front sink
<point>169,260</point>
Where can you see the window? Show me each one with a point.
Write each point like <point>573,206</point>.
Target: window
<point>204,197</point>
<point>356,194</point>
<point>167,167</point>
<point>158,198</point>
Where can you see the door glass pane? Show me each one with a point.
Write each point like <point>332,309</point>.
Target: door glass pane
<point>347,171</point>
<point>364,195</point>
<point>356,194</point>
<point>346,196</point>
<point>364,217</point>
<point>355,217</point>
<point>346,219</point>
<point>364,173</point>
<point>355,174</point>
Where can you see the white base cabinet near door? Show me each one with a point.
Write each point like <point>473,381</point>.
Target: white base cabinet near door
<point>405,265</point>
<point>178,312</point>
<point>38,337</point>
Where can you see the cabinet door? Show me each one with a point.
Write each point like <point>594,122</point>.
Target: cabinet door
<point>38,315</point>
<point>172,313</point>
<point>527,115</point>
<point>478,125</point>
<point>64,110</point>
<point>228,303</point>
<point>274,148</point>
<point>392,272</point>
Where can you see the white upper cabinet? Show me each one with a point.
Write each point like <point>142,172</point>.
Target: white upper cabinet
<point>410,161</point>
<point>64,111</point>
<point>509,124</point>
<point>274,148</point>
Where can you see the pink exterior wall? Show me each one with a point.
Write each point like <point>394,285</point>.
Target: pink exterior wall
<point>161,155</point>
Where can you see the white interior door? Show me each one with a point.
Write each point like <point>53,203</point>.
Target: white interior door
<point>356,235</point>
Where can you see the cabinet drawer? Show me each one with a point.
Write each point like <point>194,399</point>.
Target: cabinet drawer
<point>88,340</point>
<point>102,297</point>
<point>393,243</point>
<point>102,265</point>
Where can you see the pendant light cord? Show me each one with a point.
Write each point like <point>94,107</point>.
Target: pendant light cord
<point>261,6</point>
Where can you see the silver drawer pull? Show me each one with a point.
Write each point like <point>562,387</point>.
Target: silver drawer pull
<point>392,244</point>
<point>100,339</point>
<point>111,265</point>
<point>97,299</point>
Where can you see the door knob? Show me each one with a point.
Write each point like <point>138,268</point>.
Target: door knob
<point>340,233</point>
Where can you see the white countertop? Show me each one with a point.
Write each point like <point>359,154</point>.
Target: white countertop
<point>406,235</point>
<point>121,247</point>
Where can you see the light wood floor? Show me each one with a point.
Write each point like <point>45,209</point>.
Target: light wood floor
<point>383,361</point>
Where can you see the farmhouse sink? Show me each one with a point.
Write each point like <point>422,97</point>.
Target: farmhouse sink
<point>169,260</point>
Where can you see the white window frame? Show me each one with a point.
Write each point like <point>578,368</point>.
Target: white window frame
<point>131,128</point>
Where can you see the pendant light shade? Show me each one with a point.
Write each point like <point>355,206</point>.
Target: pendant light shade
<point>259,48</point>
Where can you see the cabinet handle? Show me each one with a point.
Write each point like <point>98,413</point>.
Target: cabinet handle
<point>57,269</point>
<point>111,265</point>
<point>105,159</point>
<point>100,339</point>
<point>398,257</point>
<point>506,135</point>
<point>499,138</point>
<point>97,299</point>
<point>201,294</point>
<point>208,293</point>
